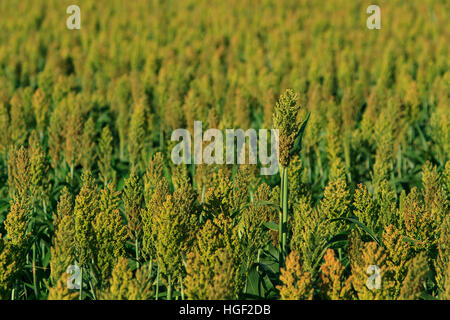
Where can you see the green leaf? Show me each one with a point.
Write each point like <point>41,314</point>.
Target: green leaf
<point>271,226</point>
<point>253,282</point>
<point>427,296</point>
<point>298,140</point>
<point>411,240</point>
<point>355,221</point>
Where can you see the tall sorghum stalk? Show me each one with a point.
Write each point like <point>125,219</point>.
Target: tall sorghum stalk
<point>81,283</point>
<point>169,288</point>
<point>157,284</point>
<point>290,135</point>
<point>35,285</point>
<point>282,227</point>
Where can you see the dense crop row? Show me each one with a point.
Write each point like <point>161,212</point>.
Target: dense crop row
<point>86,177</point>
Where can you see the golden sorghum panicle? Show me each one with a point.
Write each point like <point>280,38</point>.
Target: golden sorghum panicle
<point>86,209</point>
<point>121,284</point>
<point>446,294</point>
<point>217,234</point>
<point>169,240</point>
<point>14,248</point>
<point>214,282</point>
<point>153,174</point>
<point>365,208</point>
<point>433,192</point>
<point>336,203</point>
<point>285,120</point>
<point>297,284</point>
<point>241,183</point>
<point>369,254</point>
<point>154,207</point>
<point>442,262</point>
<point>9,267</point>
<point>63,249</point>
<point>254,234</point>
<point>104,155</point>
<point>297,180</point>
<point>19,178</point>
<point>110,232</point>
<point>16,224</point>
<point>186,200</point>
<point>387,202</point>
<point>355,246</point>
<point>310,233</point>
<point>144,282</point>
<point>399,252</point>
<point>225,194</point>
<point>413,285</point>
<point>419,223</point>
<point>333,284</point>
<point>39,188</point>
<point>218,197</point>
<point>176,225</point>
<point>440,134</point>
<point>60,291</point>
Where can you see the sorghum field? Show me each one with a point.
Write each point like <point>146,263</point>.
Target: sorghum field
<point>93,207</point>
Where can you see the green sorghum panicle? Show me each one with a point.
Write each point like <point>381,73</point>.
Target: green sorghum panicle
<point>413,284</point>
<point>110,232</point>
<point>86,209</point>
<point>297,283</point>
<point>285,120</point>
<point>63,249</point>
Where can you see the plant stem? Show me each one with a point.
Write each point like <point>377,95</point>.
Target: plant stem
<point>81,283</point>
<point>92,289</point>
<point>36,291</point>
<point>169,289</point>
<point>280,221</point>
<point>157,283</point>
<point>282,226</point>
<point>151,266</point>
<point>181,285</point>
<point>285,210</point>
<point>136,243</point>
<point>71,173</point>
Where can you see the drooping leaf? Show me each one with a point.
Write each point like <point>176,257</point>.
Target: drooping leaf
<point>298,140</point>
